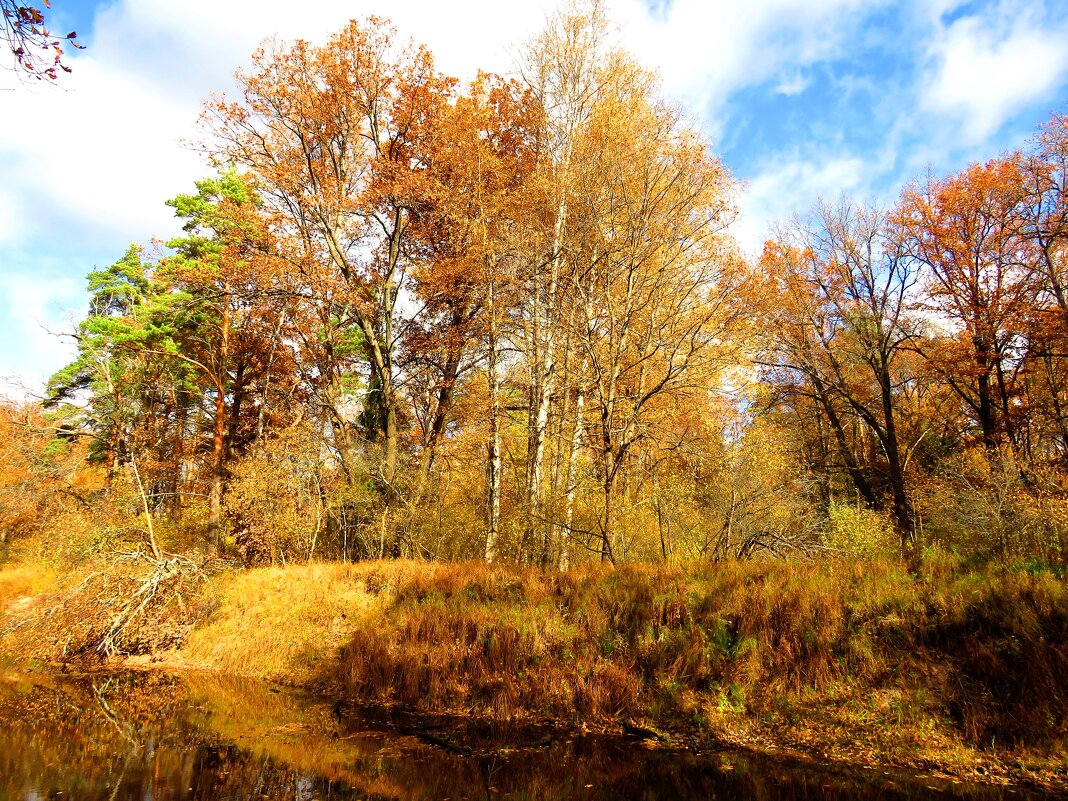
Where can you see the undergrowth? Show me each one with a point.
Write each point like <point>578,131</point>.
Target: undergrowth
<point>985,649</point>
<point>121,606</point>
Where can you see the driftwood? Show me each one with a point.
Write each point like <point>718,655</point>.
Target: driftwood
<point>441,741</point>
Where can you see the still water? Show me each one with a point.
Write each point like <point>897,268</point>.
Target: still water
<point>156,737</point>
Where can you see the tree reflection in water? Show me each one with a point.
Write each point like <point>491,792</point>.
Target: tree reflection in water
<point>194,736</point>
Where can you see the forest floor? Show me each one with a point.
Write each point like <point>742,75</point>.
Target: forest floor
<point>950,671</point>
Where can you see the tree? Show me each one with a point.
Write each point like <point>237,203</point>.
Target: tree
<point>101,371</point>
<point>42,474</point>
<point>798,323</point>
<point>965,232</point>
<point>332,135</point>
<point>1043,214</point>
<point>849,282</point>
<point>567,67</point>
<point>652,276</point>
<point>219,325</point>
<point>1044,209</point>
<point>480,168</point>
<point>172,352</point>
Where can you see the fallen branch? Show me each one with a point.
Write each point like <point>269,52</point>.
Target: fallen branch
<point>168,569</point>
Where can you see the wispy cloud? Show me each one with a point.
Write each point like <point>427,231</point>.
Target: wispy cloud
<point>94,160</point>
<point>791,186</point>
<point>792,85</point>
<point>708,49</point>
<point>39,311</point>
<point>986,67</point>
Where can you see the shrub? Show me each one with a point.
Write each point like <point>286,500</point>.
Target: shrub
<point>858,531</point>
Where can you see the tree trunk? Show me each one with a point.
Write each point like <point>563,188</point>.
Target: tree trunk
<point>903,516</point>
<point>262,412</point>
<point>572,480</point>
<point>852,466</point>
<point>985,407</point>
<point>493,447</point>
<point>543,370</point>
<point>380,361</point>
<point>442,405</point>
<point>537,420</point>
<point>218,462</point>
<point>608,514</point>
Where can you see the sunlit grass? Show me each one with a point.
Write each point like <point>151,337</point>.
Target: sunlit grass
<point>279,622</point>
<point>933,661</point>
<point>19,583</point>
<point>639,640</point>
<point>942,652</point>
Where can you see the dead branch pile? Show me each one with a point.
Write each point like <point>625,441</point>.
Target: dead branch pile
<point>131,603</point>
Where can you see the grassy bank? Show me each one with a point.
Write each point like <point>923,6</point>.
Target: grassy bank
<point>960,670</point>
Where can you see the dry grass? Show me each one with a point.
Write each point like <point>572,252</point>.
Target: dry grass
<point>279,623</point>
<point>106,605</point>
<point>985,652</point>
<point>19,583</point>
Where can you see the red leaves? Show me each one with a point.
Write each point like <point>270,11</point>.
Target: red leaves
<point>24,30</point>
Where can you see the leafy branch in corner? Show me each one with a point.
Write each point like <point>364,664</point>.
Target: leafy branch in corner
<point>38,52</point>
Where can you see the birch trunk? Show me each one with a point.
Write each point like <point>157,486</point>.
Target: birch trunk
<point>493,447</point>
<point>218,462</point>
<point>572,479</point>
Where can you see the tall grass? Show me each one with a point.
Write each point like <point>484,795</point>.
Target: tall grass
<point>19,583</point>
<point>671,644</point>
<point>279,623</point>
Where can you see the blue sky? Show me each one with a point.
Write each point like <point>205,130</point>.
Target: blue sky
<point>801,98</point>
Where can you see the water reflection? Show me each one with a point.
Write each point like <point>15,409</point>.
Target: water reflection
<point>155,737</point>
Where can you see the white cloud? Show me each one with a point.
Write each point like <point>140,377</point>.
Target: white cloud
<point>792,187</point>
<point>214,38</point>
<point>792,85</point>
<point>986,68</point>
<point>95,159</point>
<point>39,309</point>
<point>706,49</point>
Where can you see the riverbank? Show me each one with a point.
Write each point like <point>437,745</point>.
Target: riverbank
<point>951,671</point>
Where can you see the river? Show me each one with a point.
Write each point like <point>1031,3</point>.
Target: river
<point>153,736</point>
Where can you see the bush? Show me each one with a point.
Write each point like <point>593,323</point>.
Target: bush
<point>858,531</point>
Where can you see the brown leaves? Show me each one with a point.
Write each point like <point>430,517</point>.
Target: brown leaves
<point>23,28</point>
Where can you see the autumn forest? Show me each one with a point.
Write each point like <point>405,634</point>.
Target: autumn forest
<point>507,323</point>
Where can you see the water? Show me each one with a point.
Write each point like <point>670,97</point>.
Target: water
<point>151,736</point>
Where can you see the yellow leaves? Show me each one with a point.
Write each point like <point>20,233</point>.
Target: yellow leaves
<point>276,498</point>
<point>858,531</point>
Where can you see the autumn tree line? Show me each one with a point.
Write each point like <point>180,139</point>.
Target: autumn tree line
<point>507,321</point>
